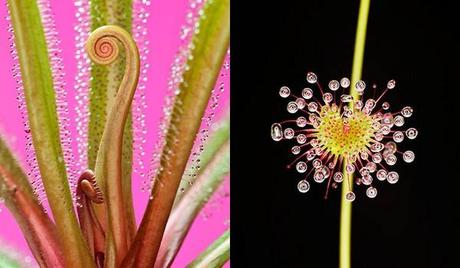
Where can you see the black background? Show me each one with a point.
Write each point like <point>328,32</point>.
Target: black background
<point>413,223</point>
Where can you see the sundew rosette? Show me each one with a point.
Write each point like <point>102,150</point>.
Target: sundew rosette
<point>339,137</point>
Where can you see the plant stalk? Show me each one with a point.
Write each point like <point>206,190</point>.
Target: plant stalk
<point>346,206</point>
<point>38,85</point>
<point>216,255</point>
<point>209,47</point>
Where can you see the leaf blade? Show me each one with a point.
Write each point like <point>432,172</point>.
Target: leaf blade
<point>40,100</point>
<point>216,255</point>
<point>39,231</point>
<point>210,46</point>
<point>191,204</point>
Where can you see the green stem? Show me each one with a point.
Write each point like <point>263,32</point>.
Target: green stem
<point>105,81</point>
<point>216,255</point>
<point>346,206</point>
<point>38,85</point>
<point>191,204</point>
<point>210,44</point>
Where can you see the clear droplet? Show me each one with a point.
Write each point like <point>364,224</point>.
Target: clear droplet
<point>285,92</point>
<point>301,138</point>
<point>289,133</point>
<point>411,133</point>
<point>301,167</point>
<point>346,98</point>
<point>319,176</point>
<point>295,150</point>
<point>360,86</point>
<point>303,186</point>
<point>399,121</point>
<point>327,97</point>
<point>391,84</point>
<point>385,106</point>
<point>338,177</point>
<point>311,78</point>
<point>398,136</point>
<point>334,85</point>
<point>350,196</point>
<point>367,180</point>
<point>382,175</point>
<point>408,156</point>
<point>345,82</point>
<point>292,107</point>
<point>307,93</point>
<point>301,121</point>
<point>393,177</point>
<point>300,103</point>
<point>312,107</point>
<point>371,192</point>
<point>391,159</point>
<point>276,132</point>
<point>407,111</point>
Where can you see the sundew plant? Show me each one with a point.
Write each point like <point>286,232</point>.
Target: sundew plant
<point>91,218</point>
<point>345,134</point>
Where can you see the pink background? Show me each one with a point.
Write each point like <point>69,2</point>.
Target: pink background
<point>166,19</point>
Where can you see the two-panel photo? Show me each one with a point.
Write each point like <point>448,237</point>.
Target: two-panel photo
<point>229,133</point>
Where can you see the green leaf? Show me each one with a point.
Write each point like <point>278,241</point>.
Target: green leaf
<point>219,136</point>
<point>41,107</point>
<point>39,231</point>
<point>210,44</point>
<point>216,255</point>
<point>104,86</point>
<point>185,212</point>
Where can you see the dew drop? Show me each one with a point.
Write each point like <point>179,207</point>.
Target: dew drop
<point>345,82</point>
<point>311,78</point>
<point>398,136</point>
<point>307,93</point>
<point>411,133</point>
<point>295,150</point>
<point>303,186</point>
<point>327,97</point>
<point>382,175</point>
<point>393,177</point>
<point>276,132</point>
<point>367,179</point>
<point>360,86</point>
<point>301,138</point>
<point>350,196</point>
<point>289,133</point>
<point>292,107</point>
<point>407,111</point>
<point>301,167</point>
<point>319,176</point>
<point>399,121</point>
<point>301,121</point>
<point>391,84</point>
<point>338,177</point>
<point>285,92</point>
<point>300,103</point>
<point>334,85</point>
<point>346,98</point>
<point>408,156</point>
<point>371,192</point>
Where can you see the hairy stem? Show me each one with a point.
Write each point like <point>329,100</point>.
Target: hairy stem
<point>346,206</point>
<point>216,255</point>
<point>105,82</point>
<point>102,47</point>
<point>210,44</point>
<point>219,137</point>
<point>190,205</point>
<point>39,232</point>
<point>41,108</point>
